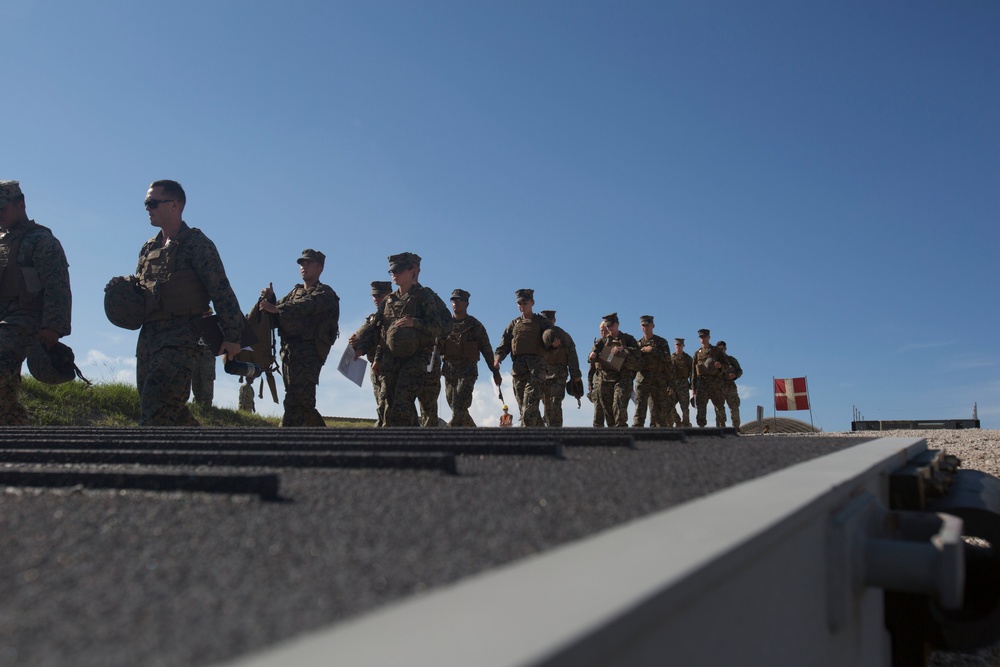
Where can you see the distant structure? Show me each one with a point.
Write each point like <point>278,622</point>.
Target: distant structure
<point>772,425</point>
<point>861,424</point>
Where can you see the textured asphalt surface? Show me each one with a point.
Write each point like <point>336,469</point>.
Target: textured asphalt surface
<point>106,577</point>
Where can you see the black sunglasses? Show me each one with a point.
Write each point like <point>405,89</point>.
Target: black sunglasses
<point>153,203</point>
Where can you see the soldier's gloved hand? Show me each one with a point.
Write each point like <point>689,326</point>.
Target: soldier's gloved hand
<point>230,350</point>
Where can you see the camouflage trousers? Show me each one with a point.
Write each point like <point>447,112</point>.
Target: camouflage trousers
<point>163,377</point>
<point>600,419</point>
<point>246,403</point>
<point>651,393</point>
<point>732,398</point>
<point>710,389</point>
<point>459,382</point>
<point>427,397</point>
<point>682,396</point>
<point>301,366</point>
<point>529,390</point>
<point>14,344</point>
<point>378,389</point>
<point>615,394</point>
<point>403,380</point>
<point>203,377</point>
<point>555,394</point>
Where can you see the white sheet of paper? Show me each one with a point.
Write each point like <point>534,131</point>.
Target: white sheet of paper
<point>353,369</point>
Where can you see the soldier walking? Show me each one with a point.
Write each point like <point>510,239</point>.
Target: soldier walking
<point>561,359</point>
<point>460,351</point>
<point>411,320</point>
<point>681,384</point>
<point>618,355</point>
<point>178,274</point>
<point>35,298</point>
<point>522,340</point>
<point>706,379</point>
<point>307,321</point>
<point>653,380</point>
<point>730,374</point>
<point>380,290</point>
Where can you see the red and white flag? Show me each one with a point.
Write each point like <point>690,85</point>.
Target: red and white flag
<point>791,394</point>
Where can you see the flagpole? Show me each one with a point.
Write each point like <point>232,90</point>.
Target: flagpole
<point>806,378</point>
<point>774,402</point>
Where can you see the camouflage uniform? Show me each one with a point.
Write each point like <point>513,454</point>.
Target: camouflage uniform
<point>522,340</point>
<point>168,341</point>
<point>427,398</point>
<point>730,392</point>
<point>681,385</point>
<point>307,322</point>
<point>461,349</point>
<point>616,385</point>
<point>594,393</point>
<point>246,403</point>
<point>203,376</point>
<point>707,383</point>
<point>405,376</point>
<point>378,387</point>
<point>652,382</point>
<point>559,363</point>
<point>34,294</point>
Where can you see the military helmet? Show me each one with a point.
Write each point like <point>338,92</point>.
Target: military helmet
<point>366,338</point>
<point>124,303</point>
<point>51,366</point>
<point>549,336</point>
<point>403,341</point>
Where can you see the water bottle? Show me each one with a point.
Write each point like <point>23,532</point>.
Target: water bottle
<point>246,369</point>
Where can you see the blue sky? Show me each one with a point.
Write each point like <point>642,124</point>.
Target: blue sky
<point>817,183</point>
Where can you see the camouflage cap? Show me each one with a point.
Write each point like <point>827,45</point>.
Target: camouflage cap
<point>310,255</point>
<point>549,314</point>
<point>380,287</point>
<point>460,295</point>
<point>720,343</point>
<point>678,341</point>
<point>9,191</point>
<point>611,319</point>
<point>403,261</point>
<point>704,332</point>
<point>646,319</point>
<point>524,295</point>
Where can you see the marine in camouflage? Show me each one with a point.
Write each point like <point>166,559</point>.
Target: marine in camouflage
<point>730,392</point>
<point>528,367</point>
<point>460,370</point>
<point>652,382</point>
<point>167,348</point>
<point>706,381</point>
<point>35,295</point>
<point>405,376</point>
<point>681,384</point>
<point>616,384</point>
<point>307,321</point>
<point>561,363</point>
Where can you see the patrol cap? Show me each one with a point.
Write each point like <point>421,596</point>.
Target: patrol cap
<point>611,319</point>
<point>720,343</point>
<point>679,341</point>
<point>646,319</point>
<point>460,295</point>
<point>548,314</point>
<point>380,287</point>
<point>403,261</point>
<point>9,191</point>
<point>524,295</point>
<point>704,332</point>
<point>310,255</point>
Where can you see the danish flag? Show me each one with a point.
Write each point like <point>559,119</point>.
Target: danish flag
<point>791,394</point>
